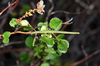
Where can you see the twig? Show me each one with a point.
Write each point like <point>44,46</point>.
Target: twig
<point>9,11</point>
<point>52,7</point>
<point>86,55</point>
<point>16,50</point>
<point>14,6</point>
<point>39,32</point>
<point>91,55</point>
<point>18,32</point>
<point>33,63</point>
<point>10,43</point>
<point>50,10</point>
<point>68,21</point>
<point>88,22</point>
<point>8,7</point>
<point>67,14</point>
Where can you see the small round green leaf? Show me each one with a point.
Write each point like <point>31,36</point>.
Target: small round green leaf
<point>13,22</point>
<point>5,40</point>
<point>45,64</point>
<point>55,23</point>
<point>40,24</point>
<point>63,46</point>
<point>6,34</point>
<point>29,41</point>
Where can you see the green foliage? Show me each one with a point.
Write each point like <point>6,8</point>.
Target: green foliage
<point>48,47</point>
<point>5,40</point>
<point>49,42</point>
<point>44,26</point>
<point>29,41</point>
<point>45,64</point>
<point>40,24</point>
<point>55,62</point>
<point>60,36</point>
<point>37,49</point>
<point>13,22</point>
<point>24,57</point>
<point>24,23</point>
<point>6,36</point>
<point>63,46</point>
<point>52,56</point>
<point>26,28</point>
<point>50,50</point>
<point>55,23</point>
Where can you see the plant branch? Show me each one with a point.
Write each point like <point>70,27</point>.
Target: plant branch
<point>18,32</point>
<point>51,31</point>
<point>39,32</point>
<point>8,7</point>
<point>10,43</point>
<point>84,59</point>
<point>16,50</point>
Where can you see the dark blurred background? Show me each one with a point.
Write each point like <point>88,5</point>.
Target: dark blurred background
<point>86,20</point>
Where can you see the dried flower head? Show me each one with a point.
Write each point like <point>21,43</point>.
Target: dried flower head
<point>40,7</point>
<point>40,10</point>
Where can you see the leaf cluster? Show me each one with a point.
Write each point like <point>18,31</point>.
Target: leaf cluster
<point>45,44</point>
<point>49,47</point>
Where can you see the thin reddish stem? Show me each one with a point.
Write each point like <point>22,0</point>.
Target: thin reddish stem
<point>84,59</point>
<point>8,7</point>
<point>18,32</point>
